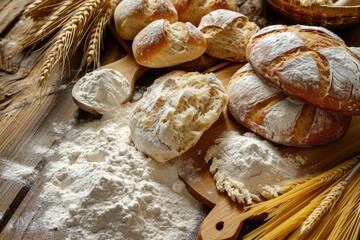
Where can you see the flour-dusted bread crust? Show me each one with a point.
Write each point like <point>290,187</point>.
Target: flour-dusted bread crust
<point>310,63</point>
<point>193,10</point>
<point>174,113</point>
<point>164,44</point>
<point>227,34</point>
<point>269,112</point>
<point>131,16</point>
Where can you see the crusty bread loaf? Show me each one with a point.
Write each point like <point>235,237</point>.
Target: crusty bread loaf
<point>193,10</point>
<point>227,34</point>
<point>174,112</point>
<point>310,63</point>
<point>131,16</point>
<point>355,50</point>
<point>164,44</point>
<point>269,112</point>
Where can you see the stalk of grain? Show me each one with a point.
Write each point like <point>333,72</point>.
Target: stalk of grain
<point>300,190</point>
<point>288,185</point>
<point>48,24</point>
<point>40,8</point>
<point>93,49</point>
<point>329,201</point>
<point>69,36</point>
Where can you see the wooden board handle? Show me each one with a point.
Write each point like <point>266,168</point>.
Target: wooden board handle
<point>221,223</point>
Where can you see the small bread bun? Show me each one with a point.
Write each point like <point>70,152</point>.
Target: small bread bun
<point>193,10</point>
<point>131,16</point>
<point>310,63</point>
<point>162,44</point>
<point>227,34</point>
<point>174,113</point>
<point>270,113</point>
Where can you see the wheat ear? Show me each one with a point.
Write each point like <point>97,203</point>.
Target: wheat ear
<point>44,27</point>
<point>39,8</point>
<point>311,185</point>
<point>93,49</point>
<point>326,204</point>
<point>71,32</point>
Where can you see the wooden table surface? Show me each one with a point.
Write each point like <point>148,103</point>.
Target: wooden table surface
<point>22,128</point>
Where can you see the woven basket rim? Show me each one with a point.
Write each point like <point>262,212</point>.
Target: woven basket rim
<point>327,16</point>
<point>318,9</point>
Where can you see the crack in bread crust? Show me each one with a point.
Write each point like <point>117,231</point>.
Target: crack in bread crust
<point>304,123</point>
<point>310,63</point>
<point>269,112</point>
<point>258,112</point>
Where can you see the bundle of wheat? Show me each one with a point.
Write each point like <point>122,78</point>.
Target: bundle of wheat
<point>69,22</point>
<point>296,214</point>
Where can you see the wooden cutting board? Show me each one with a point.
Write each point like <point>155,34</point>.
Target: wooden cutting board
<point>221,222</point>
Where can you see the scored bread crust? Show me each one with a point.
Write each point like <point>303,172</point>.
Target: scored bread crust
<point>174,113</point>
<point>131,16</point>
<point>164,44</point>
<point>227,34</point>
<point>269,112</point>
<point>310,63</point>
<point>193,10</point>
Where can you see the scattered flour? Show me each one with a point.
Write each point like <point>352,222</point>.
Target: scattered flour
<point>103,89</point>
<point>16,172</point>
<point>247,167</point>
<point>101,187</point>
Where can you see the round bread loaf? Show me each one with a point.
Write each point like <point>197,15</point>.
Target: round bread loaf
<point>227,34</point>
<point>269,112</point>
<point>164,44</point>
<point>310,63</point>
<point>174,113</point>
<point>131,16</point>
<point>193,10</point>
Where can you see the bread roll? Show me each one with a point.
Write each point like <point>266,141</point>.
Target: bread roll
<point>227,34</point>
<point>310,63</point>
<point>269,112</point>
<point>162,44</point>
<point>193,10</point>
<point>174,113</point>
<point>131,16</point>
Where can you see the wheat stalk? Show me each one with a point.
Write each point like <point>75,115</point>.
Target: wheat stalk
<point>39,8</point>
<point>44,27</point>
<point>310,185</point>
<point>288,185</point>
<point>93,49</point>
<point>72,32</point>
<point>326,204</point>
<point>329,201</point>
<point>333,224</point>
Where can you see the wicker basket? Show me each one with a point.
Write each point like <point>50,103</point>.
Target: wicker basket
<point>326,16</point>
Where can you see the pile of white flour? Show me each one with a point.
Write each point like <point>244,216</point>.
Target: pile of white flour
<point>102,89</point>
<point>101,187</point>
<point>247,167</point>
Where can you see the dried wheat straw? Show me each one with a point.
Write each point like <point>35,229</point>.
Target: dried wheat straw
<point>40,8</point>
<point>326,204</point>
<point>69,36</point>
<point>95,38</point>
<point>339,224</point>
<point>48,24</point>
<point>314,183</point>
<point>287,212</point>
